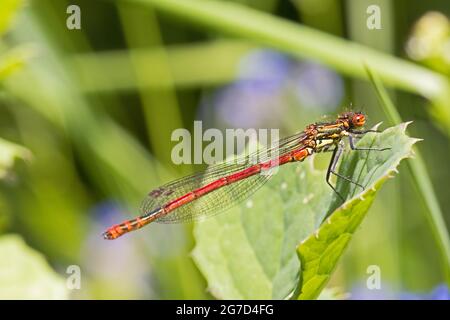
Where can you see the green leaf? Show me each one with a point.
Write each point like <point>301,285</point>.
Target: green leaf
<point>9,9</point>
<point>333,294</point>
<point>320,252</point>
<point>24,273</point>
<point>9,152</point>
<point>250,252</point>
<point>14,60</point>
<point>112,70</point>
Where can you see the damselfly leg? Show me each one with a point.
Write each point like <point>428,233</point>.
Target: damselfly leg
<point>337,153</point>
<point>354,147</point>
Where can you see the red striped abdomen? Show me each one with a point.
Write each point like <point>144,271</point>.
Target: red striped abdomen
<point>137,223</point>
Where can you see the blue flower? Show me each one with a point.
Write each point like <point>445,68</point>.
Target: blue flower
<point>105,261</point>
<point>269,87</point>
<point>317,87</point>
<point>440,292</point>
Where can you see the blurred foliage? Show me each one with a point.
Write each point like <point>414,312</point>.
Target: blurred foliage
<point>422,183</point>
<point>9,152</point>
<point>429,42</point>
<point>301,41</point>
<point>96,108</point>
<point>13,60</point>
<point>25,274</point>
<point>8,11</point>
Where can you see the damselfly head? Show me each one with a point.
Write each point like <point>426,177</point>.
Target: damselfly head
<point>358,119</point>
<point>353,119</point>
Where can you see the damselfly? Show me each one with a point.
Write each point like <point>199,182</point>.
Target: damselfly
<point>223,185</point>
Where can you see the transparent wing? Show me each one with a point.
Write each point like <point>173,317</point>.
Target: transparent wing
<point>222,198</point>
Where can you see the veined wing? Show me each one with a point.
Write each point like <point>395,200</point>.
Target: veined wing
<point>224,197</point>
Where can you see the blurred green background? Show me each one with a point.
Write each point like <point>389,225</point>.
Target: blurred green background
<point>90,112</point>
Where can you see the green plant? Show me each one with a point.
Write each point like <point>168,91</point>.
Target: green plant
<point>421,181</point>
<point>303,42</point>
<point>250,253</point>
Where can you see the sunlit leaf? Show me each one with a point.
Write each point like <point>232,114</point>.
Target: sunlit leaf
<point>9,152</point>
<point>8,10</point>
<point>13,60</point>
<point>24,273</point>
<point>250,251</point>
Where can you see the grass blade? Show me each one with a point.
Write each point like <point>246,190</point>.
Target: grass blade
<point>300,41</point>
<point>421,180</point>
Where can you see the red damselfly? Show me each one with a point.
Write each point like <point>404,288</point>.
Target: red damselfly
<point>223,185</point>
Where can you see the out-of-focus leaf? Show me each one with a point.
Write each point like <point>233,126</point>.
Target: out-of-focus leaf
<point>304,42</point>
<point>13,60</point>
<point>428,42</point>
<point>333,294</point>
<point>116,162</point>
<point>8,9</point>
<point>9,152</point>
<point>24,273</point>
<point>422,181</point>
<point>320,252</point>
<point>113,70</point>
<point>250,252</point>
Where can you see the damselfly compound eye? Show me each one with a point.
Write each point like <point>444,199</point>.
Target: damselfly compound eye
<point>358,120</point>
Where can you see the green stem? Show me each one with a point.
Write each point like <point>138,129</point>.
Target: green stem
<point>300,41</point>
<point>421,180</point>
